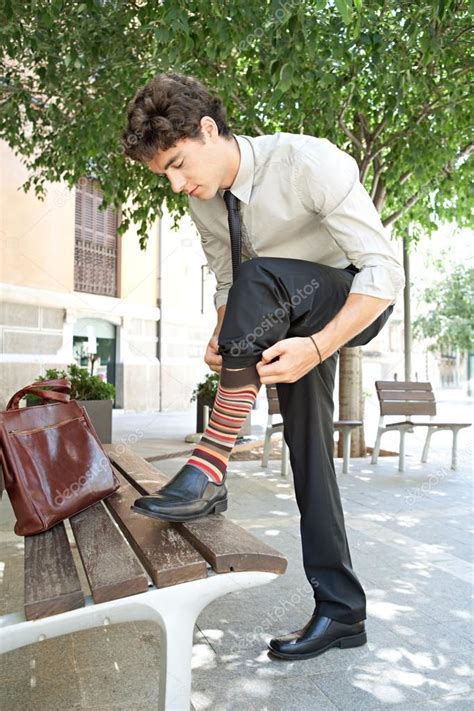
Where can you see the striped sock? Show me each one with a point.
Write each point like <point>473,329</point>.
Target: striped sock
<point>235,397</point>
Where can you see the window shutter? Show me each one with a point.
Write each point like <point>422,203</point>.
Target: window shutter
<point>95,242</point>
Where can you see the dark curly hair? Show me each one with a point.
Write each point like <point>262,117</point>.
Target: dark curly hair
<point>167,109</point>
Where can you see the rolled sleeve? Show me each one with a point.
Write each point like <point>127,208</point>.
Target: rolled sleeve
<point>328,184</point>
<point>357,228</point>
<point>218,260</point>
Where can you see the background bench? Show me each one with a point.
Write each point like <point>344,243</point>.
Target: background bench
<point>407,398</point>
<point>137,568</point>
<point>345,427</point>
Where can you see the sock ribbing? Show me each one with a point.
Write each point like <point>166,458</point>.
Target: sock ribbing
<point>236,394</point>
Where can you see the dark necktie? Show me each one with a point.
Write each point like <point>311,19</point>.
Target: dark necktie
<point>235,229</point>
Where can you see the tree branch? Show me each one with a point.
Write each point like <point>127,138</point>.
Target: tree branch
<point>378,130</point>
<point>380,192</point>
<point>406,176</point>
<point>365,133</point>
<point>347,131</point>
<point>406,132</point>
<point>445,171</point>
<point>242,106</point>
<point>377,176</point>
<point>460,34</point>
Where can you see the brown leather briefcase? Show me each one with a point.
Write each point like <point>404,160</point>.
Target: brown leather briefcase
<point>53,462</point>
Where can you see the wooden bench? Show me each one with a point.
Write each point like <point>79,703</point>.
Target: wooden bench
<point>137,568</point>
<point>407,398</point>
<point>345,427</point>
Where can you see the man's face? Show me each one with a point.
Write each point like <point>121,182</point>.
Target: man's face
<point>195,167</point>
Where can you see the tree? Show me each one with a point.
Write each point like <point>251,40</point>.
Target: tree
<point>449,323</point>
<point>385,80</point>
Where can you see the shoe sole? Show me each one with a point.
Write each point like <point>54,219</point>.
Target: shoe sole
<point>219,507</point>
<point>356,640</point>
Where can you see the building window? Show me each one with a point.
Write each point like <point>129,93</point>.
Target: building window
<point>95,253</point>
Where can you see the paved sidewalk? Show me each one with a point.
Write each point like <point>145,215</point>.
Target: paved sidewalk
<point>409,536</point>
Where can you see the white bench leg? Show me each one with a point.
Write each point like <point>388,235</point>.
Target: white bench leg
<point>266,446</point>
<point>285,458</point>
<point>376,449</point>
<point>424,456</point>
<point>454,453</point>
<point>401,458</point>
<point>175,662</point>
<point>346,450</point>
<point>175,609</point>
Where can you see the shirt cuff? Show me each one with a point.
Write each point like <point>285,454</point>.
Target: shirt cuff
<point>220,298</point>
<point>379,281</point>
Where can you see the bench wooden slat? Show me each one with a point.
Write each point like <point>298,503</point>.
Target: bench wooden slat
<point>229,547</point>
<point>405,397</point>
<point>428,423</point>
<point>165,554</point>
<point>224,544</point>
<point>273,401</point>
<point>52,583</point>
<point>408,408</point>
<point>112,568</point>
<point>402,385</point>
<point>274,409</point>
<point>142,475</point>
<point>408,395</point>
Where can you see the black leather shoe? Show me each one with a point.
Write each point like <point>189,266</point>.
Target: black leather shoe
<point>318,635</point>
<point>190,494</point>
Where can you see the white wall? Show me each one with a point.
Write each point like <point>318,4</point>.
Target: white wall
<point>185,331</point>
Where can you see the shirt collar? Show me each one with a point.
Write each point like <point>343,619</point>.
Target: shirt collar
<point>243,183</point>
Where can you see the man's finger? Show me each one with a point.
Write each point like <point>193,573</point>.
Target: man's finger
<point>272,352</point>
<point>272,380</point>
<point>272,369</point>
<point>214,362</point>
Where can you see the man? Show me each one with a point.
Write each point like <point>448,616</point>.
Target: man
<point>318,273</point>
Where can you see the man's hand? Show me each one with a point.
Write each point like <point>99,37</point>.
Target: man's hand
<point>297,356</point>
<point>212,357</point>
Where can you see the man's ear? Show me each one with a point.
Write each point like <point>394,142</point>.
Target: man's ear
<point>209,128</point>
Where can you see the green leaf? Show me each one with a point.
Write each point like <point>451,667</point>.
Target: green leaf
<point>345,8</point>
<point>320,5</point>
<point>286,73</point>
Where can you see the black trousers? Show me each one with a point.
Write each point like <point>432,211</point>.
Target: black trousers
<point>276,298</point>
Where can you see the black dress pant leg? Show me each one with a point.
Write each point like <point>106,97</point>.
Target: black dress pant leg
<point>277,298</point>
<point>307,408</point>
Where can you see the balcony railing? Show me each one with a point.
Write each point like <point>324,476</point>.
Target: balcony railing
<point>95,268</point>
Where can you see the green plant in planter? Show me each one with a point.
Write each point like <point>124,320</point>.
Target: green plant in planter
<point>207,388</point>
<point>83,385</point>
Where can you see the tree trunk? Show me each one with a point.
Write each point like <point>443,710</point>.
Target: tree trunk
<point>351,397</point>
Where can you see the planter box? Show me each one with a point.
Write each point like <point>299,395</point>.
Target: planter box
<point>200,402</point>
<point>100,413</point>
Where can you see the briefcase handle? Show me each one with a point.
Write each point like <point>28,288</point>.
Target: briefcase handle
<point>59,392</point>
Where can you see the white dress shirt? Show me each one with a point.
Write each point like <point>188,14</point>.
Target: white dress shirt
<point>301,198</point>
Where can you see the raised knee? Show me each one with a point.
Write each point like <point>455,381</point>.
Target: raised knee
<point>252,263</point>
<point>252,266</point>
